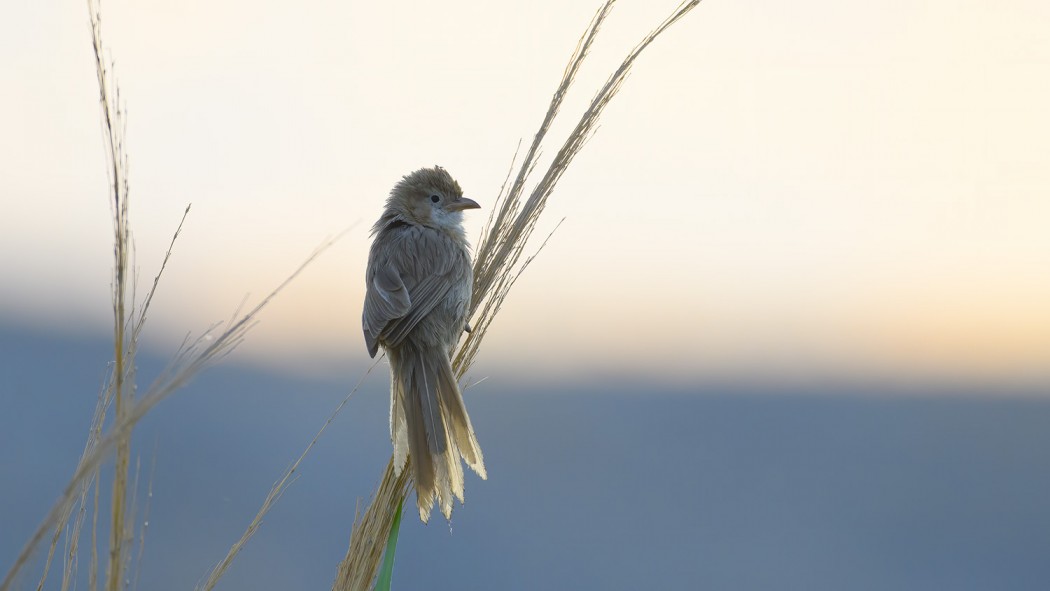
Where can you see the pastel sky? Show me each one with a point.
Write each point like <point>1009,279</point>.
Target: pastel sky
<point>782,189</point>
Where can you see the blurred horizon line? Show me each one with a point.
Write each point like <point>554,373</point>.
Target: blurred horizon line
<point>739,381</point>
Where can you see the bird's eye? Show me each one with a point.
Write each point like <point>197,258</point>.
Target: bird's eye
<point>435,198</point>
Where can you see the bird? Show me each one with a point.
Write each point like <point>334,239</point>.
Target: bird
<point>418,290</point>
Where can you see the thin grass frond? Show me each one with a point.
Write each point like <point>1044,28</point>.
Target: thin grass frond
<point>498,203</point>
<point>469,348</point>
<point>73,538</point>
<point>141,322</point>
<point>497,265</point>
<point>114,130</point>
<point>500,238</point>
<point>278,489</point>
<point>93,567</point>
<point>133,502</point>
<point>145,519</point>
<point>475,383</point>
<point>50,555</point>
<point>73,532</point>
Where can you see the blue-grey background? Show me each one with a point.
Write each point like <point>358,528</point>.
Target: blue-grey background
<point>853,190</point>
<point>592,485</point>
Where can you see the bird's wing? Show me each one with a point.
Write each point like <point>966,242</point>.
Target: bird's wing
<point>386,298</point>
<point>425,297</point>
<point>413,271</point>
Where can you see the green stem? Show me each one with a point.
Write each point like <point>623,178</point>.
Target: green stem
<point>385,572</point>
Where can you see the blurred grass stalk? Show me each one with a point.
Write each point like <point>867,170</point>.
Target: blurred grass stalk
<point>124,359</point>
<point>119,391</point>
<point>496,268</point>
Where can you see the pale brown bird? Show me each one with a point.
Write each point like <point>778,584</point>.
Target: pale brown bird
<point>419,281</point>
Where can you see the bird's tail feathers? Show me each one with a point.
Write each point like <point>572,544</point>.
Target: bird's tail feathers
<point>429,422</point>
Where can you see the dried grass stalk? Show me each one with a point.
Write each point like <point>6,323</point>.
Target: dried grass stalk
<point>496,268</point>
<point>114,132</point>
<point>275,494</point>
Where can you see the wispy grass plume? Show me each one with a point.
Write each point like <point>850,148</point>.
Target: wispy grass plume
<point>275,494</point>
<point>81,494</point>
<point>497,265</point>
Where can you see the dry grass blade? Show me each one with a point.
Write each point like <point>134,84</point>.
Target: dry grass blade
<point>275,493</point>
<point>93,567</point>
<point>496,268</point>
<point>69,553</point>
<point>145,521</point>
<point>73,537</point>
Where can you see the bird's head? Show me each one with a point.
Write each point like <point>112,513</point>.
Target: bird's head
<point>430,197</point>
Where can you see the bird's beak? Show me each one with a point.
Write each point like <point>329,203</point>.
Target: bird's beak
<point>462,203</point>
